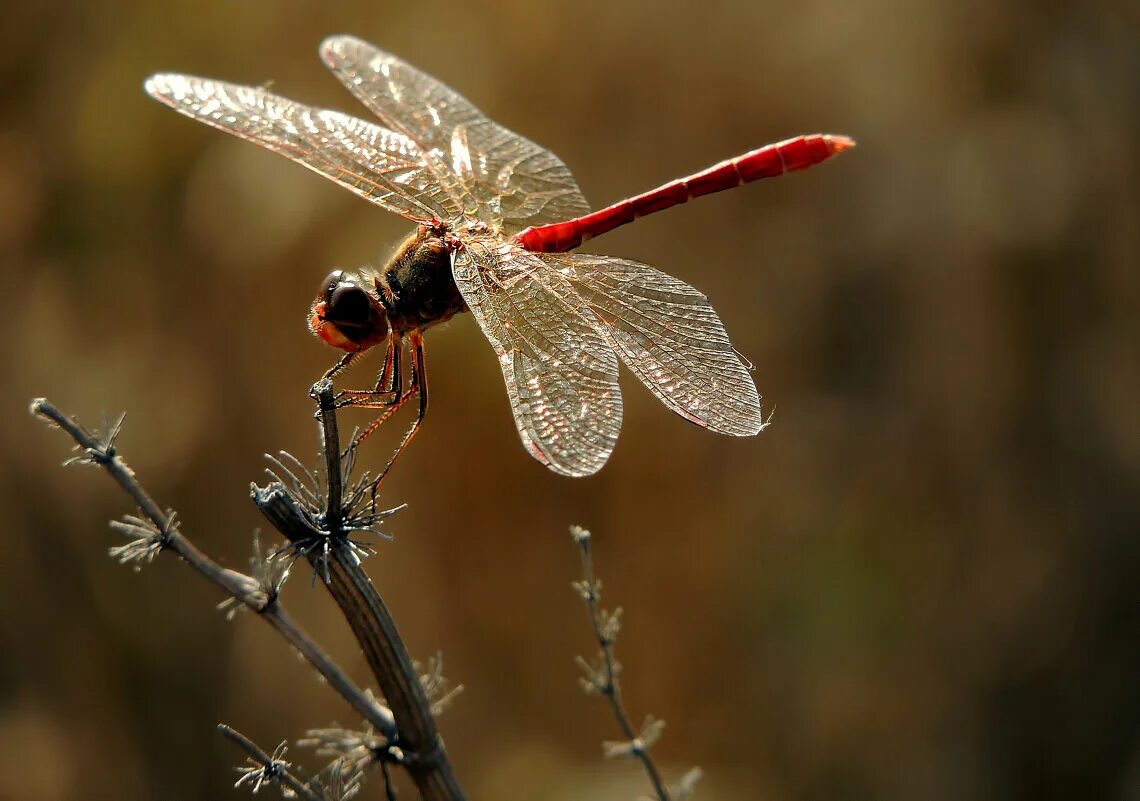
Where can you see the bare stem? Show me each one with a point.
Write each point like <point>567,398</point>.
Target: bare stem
<point>322,392</point>
<point>243,588</point>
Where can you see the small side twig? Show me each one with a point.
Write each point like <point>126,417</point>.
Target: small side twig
<point>264,768</point>
<point>601,678</point>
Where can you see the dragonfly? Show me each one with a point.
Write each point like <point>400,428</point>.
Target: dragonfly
<point>497,217</point>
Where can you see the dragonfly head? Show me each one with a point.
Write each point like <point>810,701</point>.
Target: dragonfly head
<point>348,316</point>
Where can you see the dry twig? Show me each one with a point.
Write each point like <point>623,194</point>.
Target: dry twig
<point>322,532</point>
<point>601,678</point>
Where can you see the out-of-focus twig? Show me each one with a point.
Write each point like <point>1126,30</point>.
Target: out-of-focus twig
<point>157,531</point>
<point>601,678</point>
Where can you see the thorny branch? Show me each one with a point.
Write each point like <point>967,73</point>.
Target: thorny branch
<point>158,531</point>
<point>321,530</point>
<point>601,678</point>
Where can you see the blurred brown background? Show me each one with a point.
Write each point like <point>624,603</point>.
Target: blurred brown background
<point>920,583</point>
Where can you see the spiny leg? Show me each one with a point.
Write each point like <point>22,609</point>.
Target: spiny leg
<point>378,397</point>
<point>344,362</point>
<point>418,386</point>
<point>390,375</point>
<point>390,399</point>
<point>389,410</point>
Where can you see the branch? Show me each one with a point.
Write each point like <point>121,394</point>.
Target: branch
<point>323,536</point>
<point>602,679</point>
<point>157,531</point>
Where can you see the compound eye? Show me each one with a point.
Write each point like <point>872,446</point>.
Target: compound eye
<point>332,280</point>
<point>346,316</point>
<point>349,306</point>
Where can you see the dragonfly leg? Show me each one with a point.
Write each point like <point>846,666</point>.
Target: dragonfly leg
<point>390,375</point>
<point>418,387</point>
<point>387,392</point>
<point>396,347</point>
<point>390,408</point>
<point>344,362</point>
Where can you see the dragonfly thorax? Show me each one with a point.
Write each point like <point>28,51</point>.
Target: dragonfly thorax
<point>416,286</point>
<point>413,291</point>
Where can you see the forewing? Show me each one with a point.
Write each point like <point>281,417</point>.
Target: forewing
<point>387,167</point>
<point>561,373</point>
<point>669,336</point>
<point>509,178</point>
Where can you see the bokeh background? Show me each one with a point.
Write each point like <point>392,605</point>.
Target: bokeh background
<point>919,583</point>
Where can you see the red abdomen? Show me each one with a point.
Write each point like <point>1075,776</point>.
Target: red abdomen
<point>766,162</point>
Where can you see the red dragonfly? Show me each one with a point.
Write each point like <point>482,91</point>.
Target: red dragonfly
<point>496,215</point>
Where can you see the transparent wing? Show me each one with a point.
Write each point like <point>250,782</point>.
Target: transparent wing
<point>383,166</point>
<point>561,373</point>
<point>669,336</point>
<point>509,178</point>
